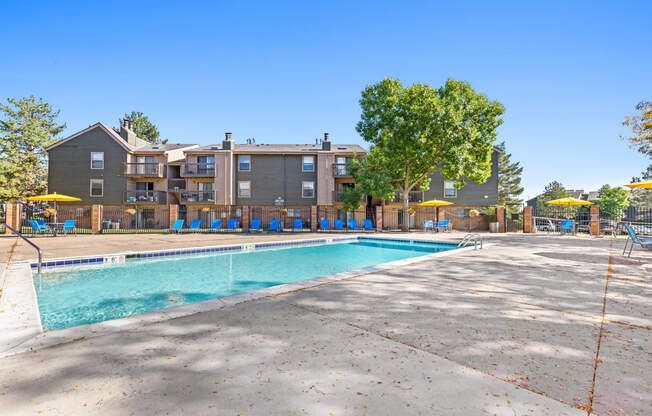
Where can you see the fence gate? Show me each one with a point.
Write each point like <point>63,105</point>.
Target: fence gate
<point>513,218</point>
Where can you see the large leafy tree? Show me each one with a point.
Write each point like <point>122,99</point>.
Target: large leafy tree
<point>554,190</point>
<point>370,176</point>
<point>28,126</point>
<point>509,178</point>
<point>143,128</point>
<point>641,125</point>
<point>418,130</point>
<point>613,201</point>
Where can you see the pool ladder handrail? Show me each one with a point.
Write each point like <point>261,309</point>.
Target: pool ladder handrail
<point>38,249</point>
<point>475,237</point>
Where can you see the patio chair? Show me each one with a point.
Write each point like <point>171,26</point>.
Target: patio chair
<point>217,224</point>
<point>428,225</point>
<point>567,225</point>
<point>177,226</point>
<point>643,242</point>
<point>298,225</point>
<point>255,225</point>
<point>36,227</point>
<point>368,225</point>
<point>232,225</point>
<point>353,224</point>
<point>324,224</point>
<point>69,225</point>
<point>443,225</point>
<point>338,224</point>
<point>194,225</point>
<point>275,225</point>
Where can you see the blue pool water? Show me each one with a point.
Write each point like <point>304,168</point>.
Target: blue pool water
<point>84,295</point>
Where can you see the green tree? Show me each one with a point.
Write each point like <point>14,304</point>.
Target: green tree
<point>28,126</point>
<point>641,125</point>
<point>613,201</point>
<point>143,128</point>
<point>639,197</point>
<point>370,177</point>
<point>554,190</point>
<point>419,130</point>
<point>351,198</point>
<point>509,178</point>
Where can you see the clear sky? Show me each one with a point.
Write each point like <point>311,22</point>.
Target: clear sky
<point>567,72</point>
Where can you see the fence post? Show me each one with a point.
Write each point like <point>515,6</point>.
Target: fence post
<point>14,215</point>
<point>245,218</point>
<point>595,220</point>
<point>500,218</point>
<point>313,218</point>
<point>96,218</point>
<point>527,219</point>
<point>174,213</point>
<point>379,218</point>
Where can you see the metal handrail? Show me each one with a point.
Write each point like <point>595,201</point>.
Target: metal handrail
<point>40,257</point>
<point>467,239</point>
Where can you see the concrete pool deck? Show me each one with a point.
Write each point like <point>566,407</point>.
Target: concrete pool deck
<point>511,329</point>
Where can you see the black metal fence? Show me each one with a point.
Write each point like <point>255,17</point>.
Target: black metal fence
<point>331,214</point>
<point>40,219</point>
<point>208,215</point>
<point>120,219</point>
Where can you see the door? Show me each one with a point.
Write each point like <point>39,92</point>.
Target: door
<point>145,191</point>
<point>145,165</point>
<point>205,191</point>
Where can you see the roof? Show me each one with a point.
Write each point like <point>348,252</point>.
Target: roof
<point>161,147</point>
<point>108,130</point>
<point>282,148</point>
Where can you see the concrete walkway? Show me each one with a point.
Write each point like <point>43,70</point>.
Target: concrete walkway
<point>531,325</point>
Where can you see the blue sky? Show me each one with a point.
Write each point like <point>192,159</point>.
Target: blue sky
<point>567,72</point>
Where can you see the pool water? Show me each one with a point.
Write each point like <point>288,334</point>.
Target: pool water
<point>84,295</point>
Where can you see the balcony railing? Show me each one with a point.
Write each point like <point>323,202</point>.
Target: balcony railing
<point>176,185</point>
<point>340,170</point>
<point>413,197</point>
<point>198,197</point>
<point>145,197</point>
<point>145,170</point>
<point>198,170</point>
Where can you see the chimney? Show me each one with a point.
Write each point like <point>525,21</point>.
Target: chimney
<point>227,144</point>
<point>127,133</point>
<point>325,144</point>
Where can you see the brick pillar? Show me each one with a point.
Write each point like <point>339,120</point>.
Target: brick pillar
<point>174,214</point>
<point>96,218</point>
<point>14,215</point>
<point>595,220</point>
<point>500,217</point>
<point>527,220</point>
<point>379,218</point>
<point>245,218</point>
<point>313,218</point>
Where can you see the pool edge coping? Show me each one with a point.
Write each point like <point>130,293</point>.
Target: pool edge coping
<point>44,339</point>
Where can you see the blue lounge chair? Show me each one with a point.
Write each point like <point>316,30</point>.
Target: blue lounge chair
<point>217,224</point>
<point>298,225</point>
<point>643,242</point>
<point>368,225</point>
<point>428,225</point>
<point>69,225</point>
<point>194,225</point>
<point>443,225</point>
<point>36,227</point>
<point>255,225</point>
<point>177,226</point>
<point>353,224</point>
<point>324,224</point>
<point>338,224</point>
<point>567,225</point>
<point>41,223</point>
<point>233,224</point>
<point>274,225</point>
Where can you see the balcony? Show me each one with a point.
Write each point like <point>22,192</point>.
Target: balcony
<point>198,170</point>
<point>145,197</point>
<point>176,185</point>
<point>413,197</point>
<point>197,197</point>
<point>340,170</point>
<point>145,170</point>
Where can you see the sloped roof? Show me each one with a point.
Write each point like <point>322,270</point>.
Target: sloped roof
<point>108,130</point>
<point>282,148</point>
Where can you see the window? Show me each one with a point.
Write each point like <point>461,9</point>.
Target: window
<point>97,187</point>
<point>244,189</point>
<point>308,164</point>
<point>97,160</point>
<point>244,163</point>
<point>205,164</point>
<point>450,191</point>
<point>308,189</point>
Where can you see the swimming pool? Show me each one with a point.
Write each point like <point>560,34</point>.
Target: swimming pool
<point>85,294</point>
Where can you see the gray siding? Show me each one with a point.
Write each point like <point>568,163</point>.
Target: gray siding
<point>69,168</point>
<point>274,176</point>
<point>471,193</point>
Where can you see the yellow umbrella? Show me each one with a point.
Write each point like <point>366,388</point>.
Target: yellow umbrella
<point>54,197</point>
<point>569,201</point>
<point>642,184</point>
<point>434,203</point>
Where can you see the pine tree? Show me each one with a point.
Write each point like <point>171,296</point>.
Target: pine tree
<point>143,128</point>
<point>27,128</point>
<point>509,178</point>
